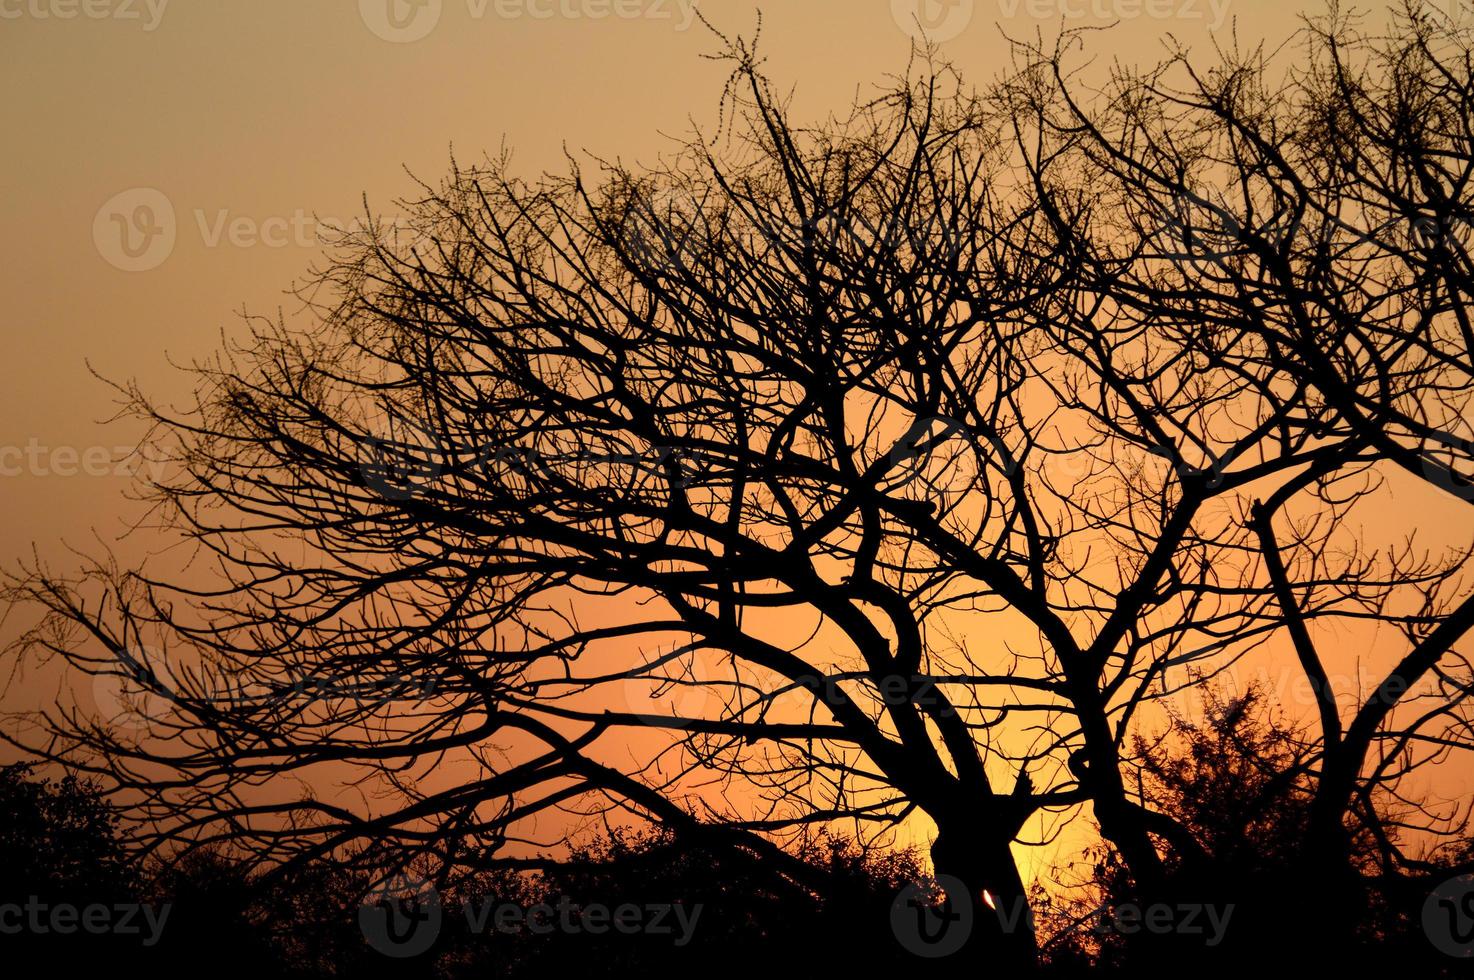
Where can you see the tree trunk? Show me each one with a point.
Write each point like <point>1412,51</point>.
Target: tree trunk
<point>995,910</point>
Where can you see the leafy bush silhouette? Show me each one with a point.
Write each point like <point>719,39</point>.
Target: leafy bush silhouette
<point>749,918</point>
<point>1241,780</point>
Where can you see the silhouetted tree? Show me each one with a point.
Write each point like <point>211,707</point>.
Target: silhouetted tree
<point>1307,208</point>
<point>58,839</point>
<point>839,475</point>
<point>59,848</point>
<point>748,919</point>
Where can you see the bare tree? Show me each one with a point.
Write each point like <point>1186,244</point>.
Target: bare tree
<point>1306,211</point>
<point>861,447</point>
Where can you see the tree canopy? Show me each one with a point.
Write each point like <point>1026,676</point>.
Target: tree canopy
<point>899,467</point>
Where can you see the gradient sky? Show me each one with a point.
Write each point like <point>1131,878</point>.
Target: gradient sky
<point>251,116</point>
<point>247,117</point>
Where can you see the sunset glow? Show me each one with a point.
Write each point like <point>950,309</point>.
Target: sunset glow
<point>624,487</point>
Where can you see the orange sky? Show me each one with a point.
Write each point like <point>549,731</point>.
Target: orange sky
<point>249,116</point>
<point>244,118</point>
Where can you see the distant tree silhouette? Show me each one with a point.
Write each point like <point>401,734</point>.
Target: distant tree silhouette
<point>59,846</point>
<point>891,468</point>
<point>58,838</point>
<point>1242,782</point>
<point>749,919</point>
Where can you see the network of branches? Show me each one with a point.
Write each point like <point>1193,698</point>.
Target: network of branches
<point>902,466</point>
